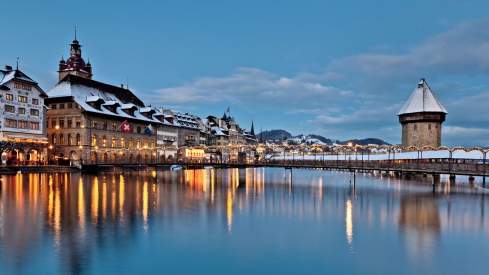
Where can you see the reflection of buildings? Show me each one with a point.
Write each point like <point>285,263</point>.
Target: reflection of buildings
<point>80,215</point>
<point>419,219</point>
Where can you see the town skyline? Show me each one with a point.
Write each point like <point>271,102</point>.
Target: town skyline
<point>331,89</point>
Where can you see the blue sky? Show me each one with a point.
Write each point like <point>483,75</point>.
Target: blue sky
<point>337,68</point>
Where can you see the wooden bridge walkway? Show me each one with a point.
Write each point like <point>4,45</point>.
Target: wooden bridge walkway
<point>468,167</point>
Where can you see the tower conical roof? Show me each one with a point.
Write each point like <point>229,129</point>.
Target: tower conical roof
<point>422,100</point>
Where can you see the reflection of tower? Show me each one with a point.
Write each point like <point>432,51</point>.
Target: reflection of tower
<point>420,221</point>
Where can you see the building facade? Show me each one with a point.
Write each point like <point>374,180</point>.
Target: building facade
<point>22,128</point>
<point>91,122</point>
<point>421,118</point>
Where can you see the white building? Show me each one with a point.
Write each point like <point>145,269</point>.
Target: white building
<point>22,118</point>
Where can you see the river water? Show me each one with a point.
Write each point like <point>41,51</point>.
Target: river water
<point>248,221</point>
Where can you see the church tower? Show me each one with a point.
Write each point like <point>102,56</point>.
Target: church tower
<point>422,117</point>
<point>75,64</point>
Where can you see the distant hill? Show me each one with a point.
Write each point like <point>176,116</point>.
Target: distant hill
<point>365,141</point>
<point>278,134</point>
<point>274,135</point>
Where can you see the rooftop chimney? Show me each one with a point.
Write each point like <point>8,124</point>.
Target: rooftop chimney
<point>8,67</point>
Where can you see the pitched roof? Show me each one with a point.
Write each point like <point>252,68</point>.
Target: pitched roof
<point>9,74</point>
<point>422,100</point>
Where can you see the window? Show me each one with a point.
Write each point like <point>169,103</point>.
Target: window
<point>35,125</point>
<point>9,97</point>
<point>78,124</point>
<point>105,125</point>
<point>53,106</point>
<point>61,139</point>
<point>61,123</point>
<point>61,105</point>
<point>21,111</point>
<point>22,86</point>
<point>35,101</point>
<point>69,123</point>
<point>123,142</point>
<point>94,124</point>
<point>114,126</point>
<point>104,141</point>
<point>415,127</point>
<point>139,130</point>
<point>11,123</point>
<point>34,112</point>
<point>78,139</point>
<point>70,105</point>
<point>129,144</point>
<point>22,98</point>
<point>53,123</point>
<point>429,126</point>
<point>94,140</point>
<point>9,109</point>
<point>114,142</point>
<point>138,144</point>
<point>53,138</point>
<point>23,124</point>
<point>70,140</point>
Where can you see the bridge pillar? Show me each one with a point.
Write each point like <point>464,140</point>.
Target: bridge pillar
<point>451,179</point>
<point>471,180</point>
<point>435,181</point>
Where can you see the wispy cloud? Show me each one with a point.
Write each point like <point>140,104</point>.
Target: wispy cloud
<point>361,94</point>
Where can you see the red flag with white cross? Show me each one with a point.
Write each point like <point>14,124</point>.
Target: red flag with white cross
<point>125,127</point>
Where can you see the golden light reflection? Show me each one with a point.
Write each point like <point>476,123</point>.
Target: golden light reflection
<point>81,204</point>
<point>349,221</point>
<point>145,205</point>
<point>94,200</point>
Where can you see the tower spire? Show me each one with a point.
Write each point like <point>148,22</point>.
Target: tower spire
<point>17,64</point>
<point>75,32</point>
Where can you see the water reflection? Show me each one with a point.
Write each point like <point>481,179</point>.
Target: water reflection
<point>79,216</point>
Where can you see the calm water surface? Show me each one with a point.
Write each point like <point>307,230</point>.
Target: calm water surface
<point>250,221</point>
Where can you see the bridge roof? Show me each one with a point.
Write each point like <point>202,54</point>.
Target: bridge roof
<point>422,100</point>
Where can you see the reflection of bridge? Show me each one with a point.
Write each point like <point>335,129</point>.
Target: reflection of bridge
<point>435,166</point>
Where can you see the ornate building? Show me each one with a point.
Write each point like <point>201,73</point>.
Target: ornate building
<point>422,117</point>
<point>22,130</point>
<point>92,122</point>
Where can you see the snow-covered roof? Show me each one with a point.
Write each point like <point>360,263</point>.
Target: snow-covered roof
<point>422,100</point>
<point>94,98</point>
<point>8,74</point>
<point>218,131</point>
<point>83,94</point>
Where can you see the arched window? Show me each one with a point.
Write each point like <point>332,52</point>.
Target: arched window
<point>93,142</point>
<point>61,139</point>
<point>53,139</point>
<point>78,140</point>
<point>104,141</point>
<point>70,140</point>
<point>113,143</point>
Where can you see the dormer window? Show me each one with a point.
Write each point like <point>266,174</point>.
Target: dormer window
<point>111,106</point>
<point>95,101</point>
<point>147,112</point>
<point>129,108</point>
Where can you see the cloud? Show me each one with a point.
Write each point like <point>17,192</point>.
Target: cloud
<point>359,95</point>
<point>462,50</point>
<point>247,83</point>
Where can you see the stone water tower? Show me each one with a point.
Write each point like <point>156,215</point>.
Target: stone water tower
<point>422,117</point>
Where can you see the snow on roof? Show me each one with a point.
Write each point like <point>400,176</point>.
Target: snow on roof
<point>81,94</point>
<point>145,109</point>
<point>218,131</point>
<point>93,98</point>
<point>422,100</point>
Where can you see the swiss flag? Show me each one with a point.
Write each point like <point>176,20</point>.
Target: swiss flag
<point>125,127</point>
